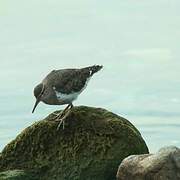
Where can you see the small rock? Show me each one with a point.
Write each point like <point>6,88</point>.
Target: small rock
<point>164,165</point>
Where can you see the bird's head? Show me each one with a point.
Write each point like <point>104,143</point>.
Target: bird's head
<point>38,93</point>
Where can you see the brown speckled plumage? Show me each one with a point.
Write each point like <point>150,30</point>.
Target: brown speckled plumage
<point>66,82</point>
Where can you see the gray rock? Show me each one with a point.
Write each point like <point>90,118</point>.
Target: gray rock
<point>164,165</point>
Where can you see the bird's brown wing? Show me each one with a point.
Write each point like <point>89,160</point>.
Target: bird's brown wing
<point>68,80</point>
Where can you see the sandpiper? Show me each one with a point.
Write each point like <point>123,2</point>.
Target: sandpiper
<point>63,86</point>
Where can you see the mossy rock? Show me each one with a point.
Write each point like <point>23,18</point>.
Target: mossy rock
<point>91,146</point>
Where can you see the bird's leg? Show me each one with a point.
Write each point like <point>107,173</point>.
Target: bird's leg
<point>61,114</point>
<point>66,113</point>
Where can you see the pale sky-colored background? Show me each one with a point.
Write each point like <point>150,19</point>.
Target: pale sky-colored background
<point>137,41</point>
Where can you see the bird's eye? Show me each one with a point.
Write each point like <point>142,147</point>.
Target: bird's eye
<point>42,92</point>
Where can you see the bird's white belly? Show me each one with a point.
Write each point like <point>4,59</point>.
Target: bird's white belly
<point>67,97</point>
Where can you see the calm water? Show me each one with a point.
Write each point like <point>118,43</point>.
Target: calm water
<point>136,41</point>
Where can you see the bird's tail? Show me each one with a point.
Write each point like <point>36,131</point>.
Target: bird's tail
<point>94,69</point>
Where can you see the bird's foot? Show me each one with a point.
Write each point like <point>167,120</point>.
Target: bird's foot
<point>61,116</point>
<point>57,116</point>
<point>62,113</point>
<point>61,122</point>
<point>62,119</point>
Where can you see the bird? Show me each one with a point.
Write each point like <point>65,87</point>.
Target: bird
<point>62,87</point>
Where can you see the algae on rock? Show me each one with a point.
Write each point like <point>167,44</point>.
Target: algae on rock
<point>91,146</point>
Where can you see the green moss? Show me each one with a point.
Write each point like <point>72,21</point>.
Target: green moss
<point>91,146</point>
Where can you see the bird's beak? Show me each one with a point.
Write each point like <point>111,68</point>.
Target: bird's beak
<point>37,102</point>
